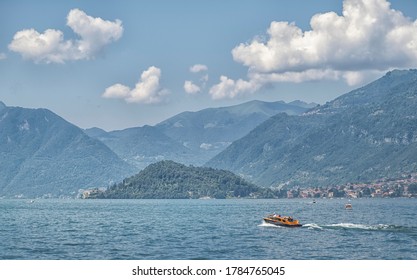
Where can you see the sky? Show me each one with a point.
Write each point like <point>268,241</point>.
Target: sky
<point>120,64</point>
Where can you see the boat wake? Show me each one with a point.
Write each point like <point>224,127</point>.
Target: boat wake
<point>361,226</point>
<point>352,226</point>
<point>364,227</point>
<point>312,226</point>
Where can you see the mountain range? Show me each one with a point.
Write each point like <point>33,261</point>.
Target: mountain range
<point>192,137</point>
<point>43,155</point>
<point>366,134</point>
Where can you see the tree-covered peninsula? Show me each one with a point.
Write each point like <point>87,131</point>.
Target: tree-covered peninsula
<point>171,180</point>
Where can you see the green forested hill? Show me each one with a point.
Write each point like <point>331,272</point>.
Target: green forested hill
<point>168,179</point>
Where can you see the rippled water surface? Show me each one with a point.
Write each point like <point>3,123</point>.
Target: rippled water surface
<point>207,229</point>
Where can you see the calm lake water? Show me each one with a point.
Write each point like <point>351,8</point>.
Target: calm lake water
<point>207,229</point>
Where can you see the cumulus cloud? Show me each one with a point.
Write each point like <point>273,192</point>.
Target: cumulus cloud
<point>228,88</point>
<point>146,91</point>
<point>51,47</point>
<point>191,88</point>
<point>198,68</point>
<point>369,36</point>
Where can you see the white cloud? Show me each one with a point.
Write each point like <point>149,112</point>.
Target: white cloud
<point>228,88</point>
<point>3,56</point>
<point>191,88</point>
<point>368,37</point>
<point>198,68</point>
<point>50,46</point>
<point>147,90</point>
<point>117,91</point>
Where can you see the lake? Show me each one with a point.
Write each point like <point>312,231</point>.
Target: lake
<point>374,229</point>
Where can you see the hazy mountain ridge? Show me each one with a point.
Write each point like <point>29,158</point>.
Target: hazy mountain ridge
<point>141,146</point>
<point>209,131</point>
<point>42,154</point>
<point>366,134</point>
<point>192,137</point>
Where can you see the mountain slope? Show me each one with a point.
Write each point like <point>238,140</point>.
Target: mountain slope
<point>42,154</point>
<point>366,134</point>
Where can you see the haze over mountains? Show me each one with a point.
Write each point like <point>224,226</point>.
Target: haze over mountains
<point>366,134</point>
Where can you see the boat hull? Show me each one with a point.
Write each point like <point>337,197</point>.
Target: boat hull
<point>278,223</point>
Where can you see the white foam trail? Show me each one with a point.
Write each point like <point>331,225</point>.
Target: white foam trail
<point>312,226</point>
<point>359,226</point>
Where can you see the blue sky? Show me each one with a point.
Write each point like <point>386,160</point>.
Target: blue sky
<point>119,64</point>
